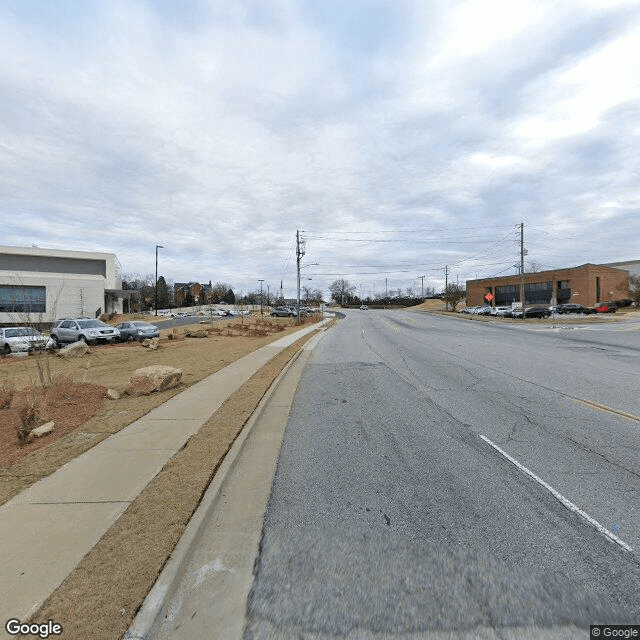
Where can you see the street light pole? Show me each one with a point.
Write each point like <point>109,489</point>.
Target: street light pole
<point>158,246</point>
<point>299,254</point>
<point>261,281</point>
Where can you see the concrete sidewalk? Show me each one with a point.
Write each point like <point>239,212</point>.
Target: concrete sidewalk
<point>46,530</point>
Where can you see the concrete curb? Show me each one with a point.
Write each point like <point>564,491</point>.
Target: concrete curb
<point>149,617</point>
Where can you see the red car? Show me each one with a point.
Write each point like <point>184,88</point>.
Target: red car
<point>606,307</point>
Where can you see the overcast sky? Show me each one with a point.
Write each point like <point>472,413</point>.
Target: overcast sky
<point>398,136</point>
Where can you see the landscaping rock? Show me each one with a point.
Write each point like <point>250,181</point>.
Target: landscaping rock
<point>74,350</point>
<point>201,333</point>
<point>113,394</point>
<point>150,343</point>
<point>155,377</point>
<point>42,430</point>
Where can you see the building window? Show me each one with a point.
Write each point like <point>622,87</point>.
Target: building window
<point>510,288</point>
<point>538,286</point>
<point>18,299</point>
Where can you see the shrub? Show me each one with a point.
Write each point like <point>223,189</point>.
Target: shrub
<point>59,389</point>
<point>7,391</point>
<point>30,412</point>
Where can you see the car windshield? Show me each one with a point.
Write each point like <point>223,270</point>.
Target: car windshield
<point>87,324</point>
<point>17,332</point>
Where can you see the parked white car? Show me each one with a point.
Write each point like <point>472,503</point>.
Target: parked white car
<point>15,339</point>
<point>501,312</point>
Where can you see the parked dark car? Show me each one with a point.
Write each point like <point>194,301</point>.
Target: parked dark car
<point>137,330</point>
<point>569,308</point>
<point>537,312</point>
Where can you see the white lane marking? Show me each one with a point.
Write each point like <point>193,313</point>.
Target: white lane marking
<point>567,503</point>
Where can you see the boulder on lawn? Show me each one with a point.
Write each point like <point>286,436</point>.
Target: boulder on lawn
<point>200,333</point>
<point>150,343</point>
<point>74,350</point>
<point>155,377</point>
<point>42,430</point>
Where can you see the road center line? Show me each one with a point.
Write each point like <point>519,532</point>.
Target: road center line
<point>567,503</point>
<point>604,407</point>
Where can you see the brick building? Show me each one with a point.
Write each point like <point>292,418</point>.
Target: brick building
<point>586,285</point>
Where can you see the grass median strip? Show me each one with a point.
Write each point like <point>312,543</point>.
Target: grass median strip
<point>100,598</point>
<point>111,366</point>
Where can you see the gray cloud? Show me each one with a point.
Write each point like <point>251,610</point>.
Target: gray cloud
<point>218,129</point>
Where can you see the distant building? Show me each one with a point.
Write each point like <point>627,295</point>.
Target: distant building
<point>198,292</point>
<point>41,285</point>
<point>586,285</point>
<point>632,266</point>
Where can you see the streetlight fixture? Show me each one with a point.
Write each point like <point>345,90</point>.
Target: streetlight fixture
<point>158,246</point>
<point>261,281</point>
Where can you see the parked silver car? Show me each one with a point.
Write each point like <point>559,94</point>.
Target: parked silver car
<point>137,330</point>
<point>283,312</point>
<point>87,329</point>
<point>15,339</point>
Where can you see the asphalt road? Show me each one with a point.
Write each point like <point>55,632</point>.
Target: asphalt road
<point>390,516</point>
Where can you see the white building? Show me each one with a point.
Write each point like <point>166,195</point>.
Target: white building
<point>632,266</point>
<point>41,285</point>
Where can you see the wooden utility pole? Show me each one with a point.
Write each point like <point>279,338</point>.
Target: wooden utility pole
<point>446,286</point>
<point>299,253</point>
<point>522,292</point>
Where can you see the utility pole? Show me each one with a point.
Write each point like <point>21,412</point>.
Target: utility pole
<point>268,297</point>
<point>299,253</point>
<point>422,290</point>
<point>261,281</point>
<point>446,286</point>
<point>522,292</point>
<point>158,246</point>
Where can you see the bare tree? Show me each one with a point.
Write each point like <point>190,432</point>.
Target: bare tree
<point>341,291</point>
<point>453,294</point>
<point>143,284</point>
<point>634,289</point>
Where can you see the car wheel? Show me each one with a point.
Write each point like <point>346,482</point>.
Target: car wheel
<point>56,342</point>
<point>83,338</point>
<point>6,350</point>
<point>130,337</point>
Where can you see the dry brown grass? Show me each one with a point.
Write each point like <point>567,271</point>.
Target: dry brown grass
<point>109,366</point>
<point>7,391</point>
